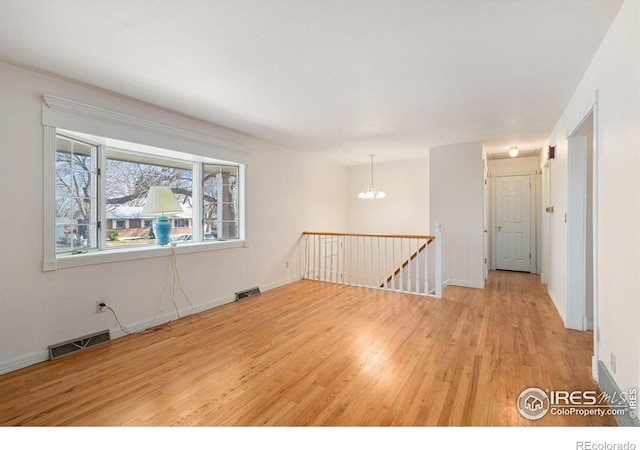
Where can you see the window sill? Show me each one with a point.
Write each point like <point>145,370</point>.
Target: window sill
<point>130,254</point>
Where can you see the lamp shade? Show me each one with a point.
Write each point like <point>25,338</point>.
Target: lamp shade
<point>160,202</point>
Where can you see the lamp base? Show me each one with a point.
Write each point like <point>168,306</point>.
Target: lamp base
<point>162,229</point>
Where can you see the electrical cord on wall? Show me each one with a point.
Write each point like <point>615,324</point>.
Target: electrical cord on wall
<point>163,327</point>
<point>122,327</point>
<point>125,330</point>
<point>176,275</point>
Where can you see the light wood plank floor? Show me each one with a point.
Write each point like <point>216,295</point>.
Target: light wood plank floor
<point>318,354</point>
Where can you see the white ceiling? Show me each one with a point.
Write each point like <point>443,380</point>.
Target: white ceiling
<point>343,78</point>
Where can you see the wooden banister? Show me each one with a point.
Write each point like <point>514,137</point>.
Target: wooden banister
<point>400,236</point>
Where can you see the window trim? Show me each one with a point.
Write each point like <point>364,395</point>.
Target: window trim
<point>134,253</point>
<point>58,113</point>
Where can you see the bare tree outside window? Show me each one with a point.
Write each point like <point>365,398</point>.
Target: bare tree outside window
<point>221,201</point>
<point>75,196</point>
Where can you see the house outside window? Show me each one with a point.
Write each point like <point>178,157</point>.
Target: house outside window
<point>181,223</point>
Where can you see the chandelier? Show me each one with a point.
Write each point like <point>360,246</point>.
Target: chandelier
<point>372,193</point>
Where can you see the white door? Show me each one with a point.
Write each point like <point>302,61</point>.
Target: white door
<point>513,223</point>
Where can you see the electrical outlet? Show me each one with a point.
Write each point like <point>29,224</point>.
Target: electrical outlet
<point>101,307</point>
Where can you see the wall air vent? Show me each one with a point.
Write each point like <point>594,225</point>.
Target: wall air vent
<point>248,293</point>
<point>77,345</point>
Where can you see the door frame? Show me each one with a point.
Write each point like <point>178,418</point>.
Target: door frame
<point>545,222</point>
<point>532,215</point>
<point>486,221</point>
<point>576,304</point>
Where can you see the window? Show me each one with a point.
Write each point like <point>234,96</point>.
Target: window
<point>75,190</point>
<point>124,179</point>
<point>221,201</point>
<point>128,177</point>
<point>182,223</point>
<point>96,186</point>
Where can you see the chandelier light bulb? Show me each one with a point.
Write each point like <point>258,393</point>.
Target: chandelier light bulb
<point>372,193</point>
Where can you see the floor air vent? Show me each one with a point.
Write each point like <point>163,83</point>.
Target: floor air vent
<point>77,345</point>
<point>248,293</point>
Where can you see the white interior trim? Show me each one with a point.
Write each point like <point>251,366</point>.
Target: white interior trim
<point>68,114</point>
<point>596,195</point>
<point>588,122</point>
<point>130,254</point>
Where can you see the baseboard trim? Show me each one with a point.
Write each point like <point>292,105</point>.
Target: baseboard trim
<point>184,312</point>
<point>469,284</point>
<point>30,359</point>
<point>609,385</point>
<point>278,284</point>
<point>23,361</point>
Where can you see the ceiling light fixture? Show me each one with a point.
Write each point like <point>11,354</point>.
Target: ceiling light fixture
<point>372,193</point>
<point>513,152</point>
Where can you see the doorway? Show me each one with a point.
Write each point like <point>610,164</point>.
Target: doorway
<point>512,225</point>
<point>580,229</point>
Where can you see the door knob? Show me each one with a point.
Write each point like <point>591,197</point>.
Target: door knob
<point>499,228</point>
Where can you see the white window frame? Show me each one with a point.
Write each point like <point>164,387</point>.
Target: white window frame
<point>63,114</point>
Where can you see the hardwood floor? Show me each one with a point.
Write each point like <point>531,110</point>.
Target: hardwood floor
<point>318,354</point>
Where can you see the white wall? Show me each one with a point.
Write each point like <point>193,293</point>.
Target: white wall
<point>286,194</point>
<point>615,73</point>
<point>457,203</point>
<point>514,166</point>
<point>405,210</point>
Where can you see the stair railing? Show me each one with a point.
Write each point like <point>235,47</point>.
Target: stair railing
<point>395,262</point>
